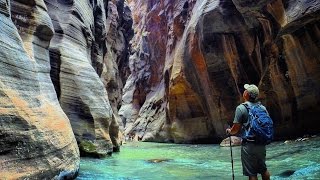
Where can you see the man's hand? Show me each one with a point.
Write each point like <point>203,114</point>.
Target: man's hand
<point>228,131</point>
<point>234,129</point>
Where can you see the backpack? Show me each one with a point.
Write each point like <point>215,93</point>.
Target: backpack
<point>260,125</point>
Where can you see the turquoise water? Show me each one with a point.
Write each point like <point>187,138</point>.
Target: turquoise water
<point>301,160</point>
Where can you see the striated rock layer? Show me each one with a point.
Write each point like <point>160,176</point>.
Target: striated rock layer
<point>81,93</point>
<point>87,51</point>
<point>36,138</point>
<point>191,58</point>
<point>60,84</point>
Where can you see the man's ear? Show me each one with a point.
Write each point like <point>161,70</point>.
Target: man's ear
<point>246,95</point>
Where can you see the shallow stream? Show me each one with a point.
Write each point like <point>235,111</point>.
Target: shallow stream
<point>141,160</point>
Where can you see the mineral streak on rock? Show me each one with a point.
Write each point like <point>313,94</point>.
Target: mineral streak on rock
<point>191,58</point>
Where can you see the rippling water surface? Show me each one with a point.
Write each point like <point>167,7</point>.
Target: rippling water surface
<point>296,160</point>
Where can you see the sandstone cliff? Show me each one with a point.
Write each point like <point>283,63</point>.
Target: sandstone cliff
<point>83,55</point>
<point>191,58</point>
<point>64,63</point>
<point>36,138</point>
<point>60,83</point>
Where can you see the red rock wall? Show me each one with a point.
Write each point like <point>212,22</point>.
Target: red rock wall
<point>190,60</point>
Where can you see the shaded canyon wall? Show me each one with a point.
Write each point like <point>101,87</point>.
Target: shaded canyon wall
<point>60,83</point>
<point>190,60</point>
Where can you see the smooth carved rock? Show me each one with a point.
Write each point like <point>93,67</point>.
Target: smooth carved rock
<point>115,63</point>
<point>79,40</point>
<point>36,141</point>
<point>57,54</point>
<point>143,109</point>
<point>190,60</point>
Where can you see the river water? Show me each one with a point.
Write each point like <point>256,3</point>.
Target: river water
<point>295,160</point>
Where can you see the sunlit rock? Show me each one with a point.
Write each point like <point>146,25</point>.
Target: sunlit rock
<point>287,141</point>
<point>235,141</point>
<point>60,61</point>
<point>36,138</point>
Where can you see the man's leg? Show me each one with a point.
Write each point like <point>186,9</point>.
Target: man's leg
<point>253,178</point>
<point>265,175</point>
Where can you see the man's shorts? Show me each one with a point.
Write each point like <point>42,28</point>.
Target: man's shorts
<point>253,158</point>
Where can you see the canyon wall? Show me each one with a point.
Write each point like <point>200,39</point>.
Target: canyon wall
<point>190,60</point>
<point>68,82</point>
<point>60,84</point>
<point>84,53</point>
<point>36,138</point>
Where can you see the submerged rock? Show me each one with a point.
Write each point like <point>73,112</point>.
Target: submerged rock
<point>158,160</point>
<point>301,139</point>
<point>90,149</point>
<point>286,173</point>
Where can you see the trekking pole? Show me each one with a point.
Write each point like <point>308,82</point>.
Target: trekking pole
<point>231,157</point>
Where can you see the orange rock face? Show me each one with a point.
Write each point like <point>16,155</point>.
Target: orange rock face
<point>191,59</point>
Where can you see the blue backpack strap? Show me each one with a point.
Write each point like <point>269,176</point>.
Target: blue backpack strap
<point>248,107</point>
<point>247,133</point>
<point>245,104</point>
<point>247,126</point>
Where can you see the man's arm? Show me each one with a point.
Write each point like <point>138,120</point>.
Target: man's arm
<point>234,129</point>
<point>237,121</point>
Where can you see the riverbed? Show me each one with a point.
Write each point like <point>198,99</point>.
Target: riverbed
<point>144,160</point>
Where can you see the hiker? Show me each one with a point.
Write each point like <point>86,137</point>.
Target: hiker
<point>253,154</point>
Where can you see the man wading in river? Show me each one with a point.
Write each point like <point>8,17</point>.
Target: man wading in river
<point>253,149</point>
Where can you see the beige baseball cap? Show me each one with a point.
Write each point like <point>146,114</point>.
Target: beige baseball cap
<point>253,90</point>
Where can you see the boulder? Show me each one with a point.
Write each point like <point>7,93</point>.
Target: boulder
<point>235,141</point>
